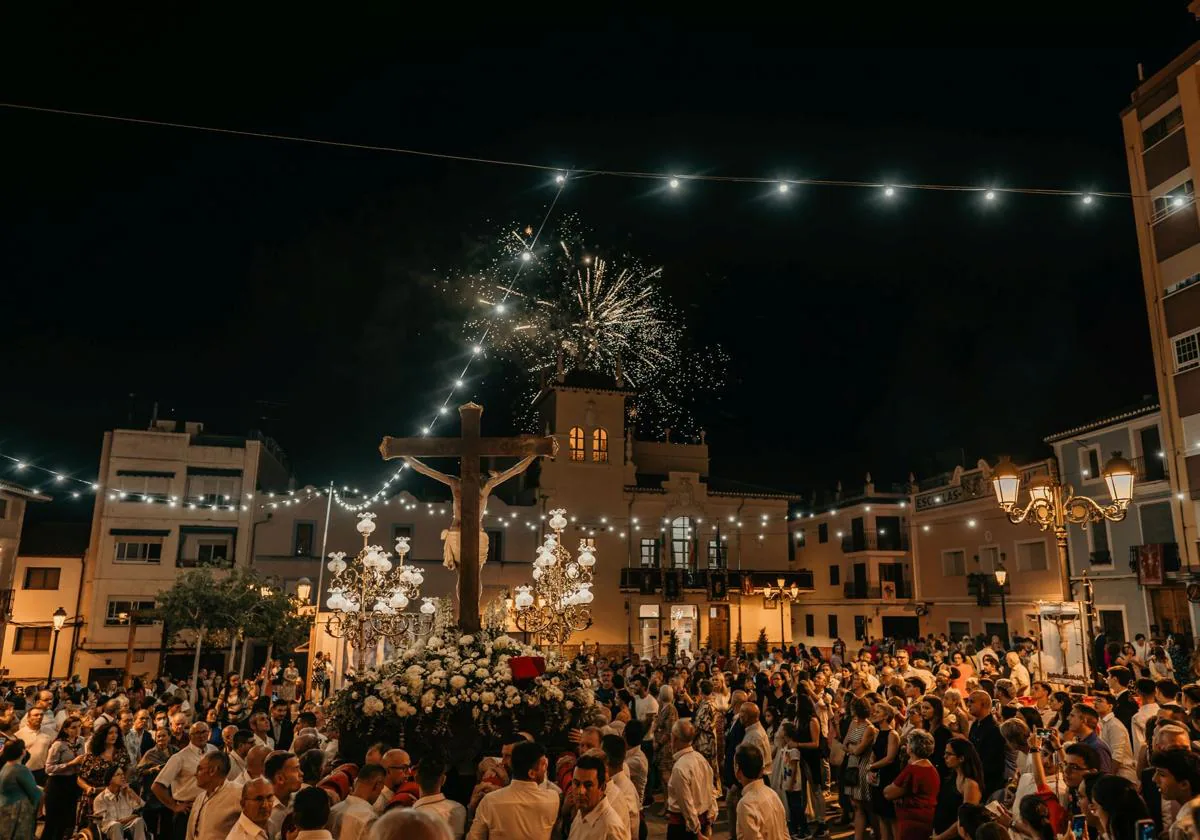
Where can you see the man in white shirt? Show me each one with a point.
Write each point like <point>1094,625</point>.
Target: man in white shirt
<point>411,825</point>
<point>351,818</point>
<point>595,818</point>
<point>282,770</point>
<point>431,775</point>
<point>237,747</point>
<point>1114,733</point>
<point>619,789</point>
<point>645,707</point>
<point>219,804</point>
<point>523,809</point>
<point>760,814</point>
<point>115,806</point>
<point>37,741</point>
<point>635,760</point>
<point>397,765</point>
<point>755,733</point>
<point>691,807</point>
<point>260,725</point>
<point>257,800</point>
<point>1147,711</point>
<point>175,786</point>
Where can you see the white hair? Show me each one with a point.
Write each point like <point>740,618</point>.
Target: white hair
<point>409,824</point>
<point>666,694</point>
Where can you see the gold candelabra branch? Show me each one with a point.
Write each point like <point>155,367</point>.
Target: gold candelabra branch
<point>558,603</point>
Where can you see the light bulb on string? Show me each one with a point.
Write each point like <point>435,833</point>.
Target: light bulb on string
<point>458,383</point>
<point>1087,199</point>
<point>526,256</point>
<point>990,195</point>
<point>560,178</point>
<point>476,349</point>
<point>673,183</point>
<point>889,191</point>
<point>500,308</point>
<point>783,188</point>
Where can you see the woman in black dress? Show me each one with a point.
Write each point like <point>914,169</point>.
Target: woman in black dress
<point>883,769</point>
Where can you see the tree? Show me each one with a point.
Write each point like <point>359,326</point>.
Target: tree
<point>672,647</point>
<point>761,646</point>
<point>197,603</point>
<point>266,612</point>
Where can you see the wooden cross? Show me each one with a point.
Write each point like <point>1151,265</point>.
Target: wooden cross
<point>468,489</point>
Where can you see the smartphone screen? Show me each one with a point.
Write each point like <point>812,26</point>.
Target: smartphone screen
<point>1079,826</point>
<point>1145,830</point>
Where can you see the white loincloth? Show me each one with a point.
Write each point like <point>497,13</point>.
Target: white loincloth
<point>451,548</point>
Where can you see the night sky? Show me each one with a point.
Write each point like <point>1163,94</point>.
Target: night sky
<point>259,284</point>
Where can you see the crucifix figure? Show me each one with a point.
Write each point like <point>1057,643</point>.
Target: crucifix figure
<point>470,492</point>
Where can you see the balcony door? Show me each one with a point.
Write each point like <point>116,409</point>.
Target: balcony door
<point>860,579</point>
<point>1154,468</point>
<point>718,626</point>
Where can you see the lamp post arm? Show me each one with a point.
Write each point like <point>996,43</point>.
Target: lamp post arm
<point>1041,511</point>
<point>1079,510</point>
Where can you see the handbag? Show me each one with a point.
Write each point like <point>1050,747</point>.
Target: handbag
<point>837,753</point>
<point>850,776</point>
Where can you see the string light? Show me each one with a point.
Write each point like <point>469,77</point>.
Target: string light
<point>990,195</point>
<point>783,188</point>
<point>674,184</point>
<point>889,191</point>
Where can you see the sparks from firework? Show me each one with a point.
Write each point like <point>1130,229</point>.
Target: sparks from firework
<point>575,310</point>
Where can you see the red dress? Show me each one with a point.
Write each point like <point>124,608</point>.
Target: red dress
<point>914,810</point>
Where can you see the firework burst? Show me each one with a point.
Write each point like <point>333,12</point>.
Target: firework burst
<point>567,307</point>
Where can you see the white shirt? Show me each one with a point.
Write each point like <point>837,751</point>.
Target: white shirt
<point>244,829</point>
<point>1145,713</point>
<point>760,814</point>
<point>638,769</point>
<point>644,707</point>
<point>600,823</point>
<point>213,817</point>
<point>690,791</point>
<point>756,735</point>
<point>623,796</point>
<point>114,808</point>
<point>522,811</point>
<point>267,742</point>
<point>315,834</point>
<point>1114,733</point>
<point>1020,678</point>
<point>350,818</point>
<point>237,767</point>
<point>179,773</point>
<point>385,796</point>
<point>452,812</point>
<point>38,743</point>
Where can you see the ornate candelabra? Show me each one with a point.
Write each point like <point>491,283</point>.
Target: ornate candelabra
<point>558,602</point>
<point>368,595</point>
<point>1055,505</point>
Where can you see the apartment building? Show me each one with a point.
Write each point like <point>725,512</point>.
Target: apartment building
<point>13,501</point>
<point>1162,144</point>
<point>859,552</point>
<point>174,497</point>
<point>1109,552</point>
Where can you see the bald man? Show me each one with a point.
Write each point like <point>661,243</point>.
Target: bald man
<point>256,759</point>
<point>691,806</point>
<point>756,735</point>
<point>988,742</point>
<point>398,765</point>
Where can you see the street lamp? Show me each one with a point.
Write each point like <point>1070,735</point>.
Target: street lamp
<point>784,595</point>
<point>59,618</point>
<point>1055,505</point>
<point>1001,574</point>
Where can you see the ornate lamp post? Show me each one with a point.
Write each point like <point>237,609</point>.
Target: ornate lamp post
<point>558,603</point>
<point>789,596</point>
<point>1001,574</point>
<point>368,595</point>
<point>59,619</point>
<point>1055,505</point>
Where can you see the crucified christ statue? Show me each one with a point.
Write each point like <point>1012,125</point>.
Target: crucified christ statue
<point>451,537</point>
<point>470,491</point>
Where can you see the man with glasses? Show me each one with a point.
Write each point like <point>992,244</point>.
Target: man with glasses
<point>257,801</point>
<point>398,788</point>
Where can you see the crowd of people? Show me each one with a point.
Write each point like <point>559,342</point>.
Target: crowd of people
<point>903,741</point>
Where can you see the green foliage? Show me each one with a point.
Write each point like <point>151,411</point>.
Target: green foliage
<point>196,600</point>
<point>672,647</point>
<point>761,647</point>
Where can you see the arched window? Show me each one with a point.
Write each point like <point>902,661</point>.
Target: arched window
<point>600,446</point>
<point>681,542</point>
<point>576,442</point>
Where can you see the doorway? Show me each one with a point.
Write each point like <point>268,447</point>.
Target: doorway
<point>901,627</point>
<point>718,627</point>
<point>685,620</point>
<point>1112,622</point>
<point>1170,606</point>
<point>649,622</point>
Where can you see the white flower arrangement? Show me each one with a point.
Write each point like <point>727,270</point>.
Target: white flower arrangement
<point>423,692</point>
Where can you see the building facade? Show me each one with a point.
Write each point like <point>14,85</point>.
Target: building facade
<point>48,577</point>
<point>960,536</point>
<point>858,550</point>
<point>1108,552</point>
<point>174,498</point>
<point>1162,139</point>
<point>675,551</point>
<point>13,501</point>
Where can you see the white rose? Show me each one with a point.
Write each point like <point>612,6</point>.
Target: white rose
<point>453,701</point>
<point>466,640</point>
<point>441,704</point>
<point>468,668</point>
<point>480,673</point>
<point>487,698</point>
<point>458,681</point>
<point>570,705</point>
<point>372,705</point>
